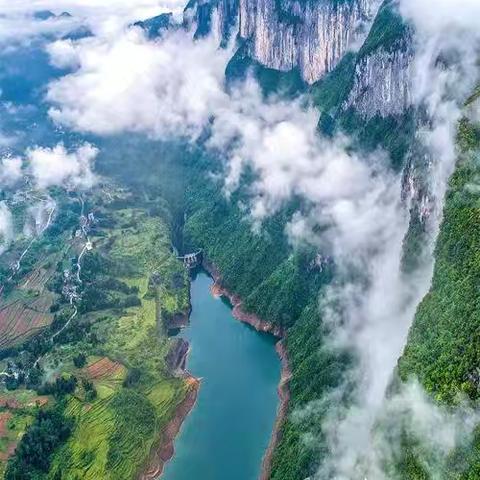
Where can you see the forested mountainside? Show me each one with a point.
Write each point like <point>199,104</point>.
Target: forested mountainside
<point>442,349</point>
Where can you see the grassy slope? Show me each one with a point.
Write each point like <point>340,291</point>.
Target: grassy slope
<point>14,421</point>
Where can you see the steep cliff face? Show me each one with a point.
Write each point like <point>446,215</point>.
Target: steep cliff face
<point>382,84</point>
<point>218,17</point>
<point>312,36</point>
<point>383,68</point>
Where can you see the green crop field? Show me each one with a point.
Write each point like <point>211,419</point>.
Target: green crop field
<point>123,393</point>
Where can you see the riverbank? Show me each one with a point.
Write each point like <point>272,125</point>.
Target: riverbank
<point>284,395</point>
<point>164,450</point>
<point>262,326</point>
<point>176,361</point>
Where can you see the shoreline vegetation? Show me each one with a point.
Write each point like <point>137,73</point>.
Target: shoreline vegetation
<point>163,452</point>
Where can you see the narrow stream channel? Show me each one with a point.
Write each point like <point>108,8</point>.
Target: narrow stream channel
<point>226,434</point>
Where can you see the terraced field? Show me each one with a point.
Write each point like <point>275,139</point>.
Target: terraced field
<point>124,394</point>
<point>105,369</point>
<point>136,395</point>
<point>37,279</point>
<point>12,427</point>
<point>23,317</point>
<point>22,399</point>
<point>25,308</point>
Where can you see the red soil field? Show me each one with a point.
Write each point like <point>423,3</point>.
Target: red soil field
<point>13,403</point>
<point>103,368</point>
<point>19,319</point>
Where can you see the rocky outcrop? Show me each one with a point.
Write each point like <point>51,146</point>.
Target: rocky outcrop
<point>282,412</point>
<point>176,357</point>
<point>175,321</point>
<point>216,17</point>
<point>383,69</point>
<point>382,84</point>
<point>155,26</point>
<point>283,35</point>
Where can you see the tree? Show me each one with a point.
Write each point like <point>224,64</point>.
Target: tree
<point>80,360</point>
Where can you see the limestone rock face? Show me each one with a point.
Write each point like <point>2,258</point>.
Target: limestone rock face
<point>313,36</point>
<point>309,35</point>
<point>382,83</point>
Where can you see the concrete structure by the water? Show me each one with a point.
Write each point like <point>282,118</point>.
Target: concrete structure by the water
<point>226,434</point>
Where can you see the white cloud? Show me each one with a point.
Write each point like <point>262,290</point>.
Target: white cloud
<point>38,217</point>
<point>175,87</point>
<point>10,170</point>
<point>435,429</point>
<point>63,54</point>
<point>6,227</point>
<point>57,166</point>
<point>130,84</point>
<point>20,27</point>
<point>107,17</point>
<point>433,17</point>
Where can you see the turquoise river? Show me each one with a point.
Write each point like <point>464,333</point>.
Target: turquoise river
<point>227,432</point>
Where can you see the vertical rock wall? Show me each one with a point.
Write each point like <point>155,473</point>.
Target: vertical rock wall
<point>309,35</point>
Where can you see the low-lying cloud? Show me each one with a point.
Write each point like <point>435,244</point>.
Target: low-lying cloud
<point>57,166</point>
<point>6,227</point>
<point>20,27</point>
<point>174,87</point>
<point>38,217</point>
<point>10,171</point>
<point>435,430</point>
<point>130,84</point>
<point>107,17</point>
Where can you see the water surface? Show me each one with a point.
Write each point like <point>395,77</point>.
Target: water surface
<point>226,434</point>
